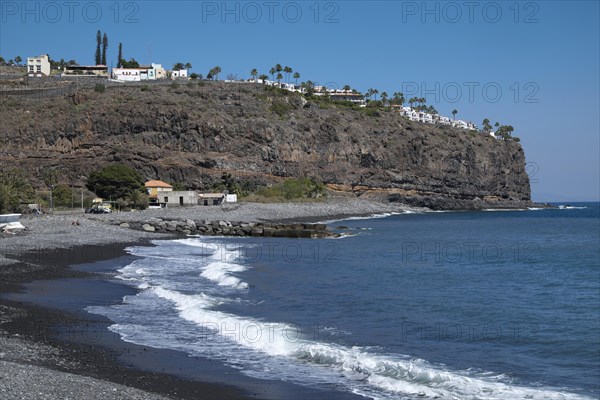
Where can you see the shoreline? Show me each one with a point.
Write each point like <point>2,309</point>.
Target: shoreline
<point>30,344</point>
<point>52,246</point>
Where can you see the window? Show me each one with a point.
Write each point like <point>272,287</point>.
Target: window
<point>31,68</point>
<point>166,199</point>
<point>39,68</point>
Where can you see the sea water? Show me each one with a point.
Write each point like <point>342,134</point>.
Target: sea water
<point>457,305</point>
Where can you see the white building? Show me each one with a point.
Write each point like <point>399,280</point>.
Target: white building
<point>427,118</point>
<point>177,74</point>
<point>143,73</point>
<point>38,66</point>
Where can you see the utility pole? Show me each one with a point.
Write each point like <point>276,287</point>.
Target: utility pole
<point>52,199</point>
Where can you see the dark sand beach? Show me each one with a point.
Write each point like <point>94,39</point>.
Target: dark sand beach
<point>53,270</point>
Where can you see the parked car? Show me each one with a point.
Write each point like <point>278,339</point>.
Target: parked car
<point>100,210</point>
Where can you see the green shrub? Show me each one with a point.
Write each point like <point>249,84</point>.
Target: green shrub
<point>371,112</point>
<point>99,88</point>
<point>145,88</point>
<point>281,108</point>
<point>174,85</point>
<point>294,189</point>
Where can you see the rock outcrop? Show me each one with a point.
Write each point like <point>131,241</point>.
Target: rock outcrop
<point>192,134</point>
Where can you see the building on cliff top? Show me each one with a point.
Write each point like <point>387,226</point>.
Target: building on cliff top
<point>90,71</point>
<point>143,73</point>
<point>38,66</point>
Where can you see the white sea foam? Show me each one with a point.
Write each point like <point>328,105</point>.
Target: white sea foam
<point>272,350</point>
<point>385,372</point>
<point>221,273</point>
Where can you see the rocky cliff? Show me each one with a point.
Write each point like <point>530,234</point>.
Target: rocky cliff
<point>193,133</point>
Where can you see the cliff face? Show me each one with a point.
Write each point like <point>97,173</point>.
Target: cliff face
<point>192,134</point>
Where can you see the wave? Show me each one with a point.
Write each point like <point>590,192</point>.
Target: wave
<point>190,322</point>
<point>389,373</point>
<point>371,216</point>
<point>562,207</point>
<point>220,273</point>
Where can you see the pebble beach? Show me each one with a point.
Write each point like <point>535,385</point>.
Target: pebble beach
<point>46,249</point>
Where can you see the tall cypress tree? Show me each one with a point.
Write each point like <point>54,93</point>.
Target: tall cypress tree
<point>104,47</point>
<point>98,44</point>
<point>120,55</point>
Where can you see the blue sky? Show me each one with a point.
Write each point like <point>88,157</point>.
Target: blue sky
<point>533,65</point>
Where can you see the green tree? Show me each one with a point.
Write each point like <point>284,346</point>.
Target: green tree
<point>188,66</point>
<point>487,127</point>
<point>50,179</point>
<point>263,77</point>
<point>104,47</point>
<point>138,199</point>
<point>2,61</point>
<point>399,98</point>
<point>384,98</point>
<point>216,71</point>
<point>18,60</point>
<point>14,189</point>
<point>98,57</point>
<point>279,77</point>
<point>504,132</point>
<point>132,63</point>
<point>178,66</point>
<point>62,195</point>
<point>115,181</point>
<point>454,112</point>
<point>120,57</point>
<point>288,71</point>
<point>272,72</point>
<point>254,73</point>
<point>296,76</point>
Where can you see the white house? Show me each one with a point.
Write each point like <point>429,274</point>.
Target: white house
<point>176,74</point>
<point>38,66</point>
<point>127,74</point>
<point>143,73</point>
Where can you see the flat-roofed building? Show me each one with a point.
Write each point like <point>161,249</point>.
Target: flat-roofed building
<point>38,66</point>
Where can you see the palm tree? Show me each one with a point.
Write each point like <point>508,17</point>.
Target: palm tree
<point>486,127</point>
<point>263,77</point>
<point>137,198</point>
<point>254,73</point>
<point>296,76</point>
<point>272,72</point>
<point>346,88</point>
<point>279,78</point>
<point>375,92</point>
<point>384,97</point>
<point>454,112</point>
<point>287,71</point>
<point>188,66</point>
<point>399,98</point>
<point>13,189</point>
<point>18,60</point>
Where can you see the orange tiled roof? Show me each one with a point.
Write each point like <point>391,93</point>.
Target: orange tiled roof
<point>157,184</point>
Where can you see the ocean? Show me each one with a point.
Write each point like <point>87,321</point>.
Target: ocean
<point>447,305</point>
